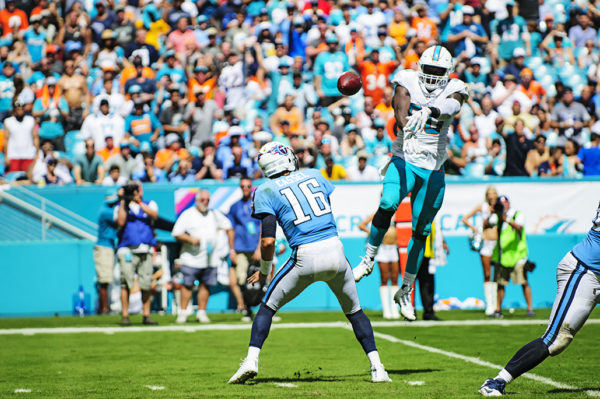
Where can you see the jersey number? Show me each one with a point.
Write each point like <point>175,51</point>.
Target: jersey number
<point>316,201</point>
<point>432,126</point>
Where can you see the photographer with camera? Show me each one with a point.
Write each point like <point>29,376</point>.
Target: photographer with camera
<point>134,217</point>
<point>510,254</point>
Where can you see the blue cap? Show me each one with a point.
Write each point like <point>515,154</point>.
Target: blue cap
<point>170,53</point>
<point>72,45</point>
<point>351,127</point>
<point>331,38</point>
<point>124,144</point>
<point>201,19</point>
<point>379,122</point>
<point>201,68</point>
<point>133,89</point>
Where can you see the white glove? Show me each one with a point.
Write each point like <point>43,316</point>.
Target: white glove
<point>411,142</point>
<point>416,122</point>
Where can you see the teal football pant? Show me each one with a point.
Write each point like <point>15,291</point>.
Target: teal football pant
<point>427,193</point>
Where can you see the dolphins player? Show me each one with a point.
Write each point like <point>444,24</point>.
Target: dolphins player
<point>299,202</point>
<point>424,102</point>
<point>578,278</point>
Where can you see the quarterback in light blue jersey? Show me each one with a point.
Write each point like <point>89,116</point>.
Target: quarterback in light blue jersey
<point>299,202</point>
<point>578,278</point>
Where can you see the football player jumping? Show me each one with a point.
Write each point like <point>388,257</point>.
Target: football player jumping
<point>425,102</point>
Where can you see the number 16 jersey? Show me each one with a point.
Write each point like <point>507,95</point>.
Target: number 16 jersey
<point>300,202</point>
<point>432,140</point>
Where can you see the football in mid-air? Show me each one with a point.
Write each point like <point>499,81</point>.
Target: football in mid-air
<point>349,83</point>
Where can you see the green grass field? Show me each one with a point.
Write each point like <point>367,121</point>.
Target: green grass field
<point>307,361</point>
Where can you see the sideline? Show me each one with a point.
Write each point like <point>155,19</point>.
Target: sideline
<point>233,327</point>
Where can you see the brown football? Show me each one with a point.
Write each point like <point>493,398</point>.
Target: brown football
<point>349,83</point>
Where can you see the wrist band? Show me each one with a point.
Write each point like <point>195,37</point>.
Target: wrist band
<point>265,266</point>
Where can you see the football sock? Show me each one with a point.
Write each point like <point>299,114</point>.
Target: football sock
<point>380,226</point>
<point>371,250</point>
<point>527,358</point>
<point>261,326</point>
<point>504,375</point>
<point>253,353</point>
<point>416,249</point>
<point>363,330</point>
<point>374,358</point>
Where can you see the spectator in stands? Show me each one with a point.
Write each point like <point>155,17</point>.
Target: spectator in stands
<point>469,37</point>
<point>134,217</point>
<point>13,19</point>
<point>570,117</point>
<point>197,229</point>
<point>114,178</point>
<point>509,34</point>
<point>73,87</point>
<point>363,171</point>
<point>426,29</point>
<point>123,28</point>
<point>240,166</point>
<point>109,148</point>
<point>351,142</point>
<point>88,167</point>
<point>62,169</point>
<point>147,83</point>
<point>173,153</point>
<point>537,156</point>
<point>231,81</point>
<point>531,121</point>
<point>208,166</point>
<point>587,100</point>
<point>583,31</point>
<point>304,94</point>
<point>124,160</point>
<point>142,126</point>
<point>504,94</point>
<point>51,178</point>
<point>178,38</point>
<point>148,173</point>
<point>571,163</point>
<point>103,123</point>
<point>517,64</point>
<point>590,156</point>
<point>246,243</point>
<point>334,62</point>
<point>140,48</point>
<point>52,111</point>
<point>104,250</point>
<point>333,171</point>
<point>291,114</point>
<point>200,116</point>
<point>517,148</point>
<point>171,117</point>
<point>172,70</point>
<point>558,52</point>
<point>21,140</point>
<point>532,88</point>
<point>381,144</point>
<point>7,90</point>
<point>183,174</point>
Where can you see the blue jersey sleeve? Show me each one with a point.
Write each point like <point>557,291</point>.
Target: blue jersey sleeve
<point>262,202</point>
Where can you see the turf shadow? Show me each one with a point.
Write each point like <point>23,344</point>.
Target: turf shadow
<point>294,379</point>
<point>409,371</point>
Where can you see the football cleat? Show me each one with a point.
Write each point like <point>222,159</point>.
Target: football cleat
<point>378,374</point>
<point>492,387</point>
<point>364,268</point>
<point>202,317</point>
<point>248,369</point>
<point>407,310</point>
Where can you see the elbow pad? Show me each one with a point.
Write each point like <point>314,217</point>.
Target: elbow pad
<point>269,226</point>
<point>447,108</point>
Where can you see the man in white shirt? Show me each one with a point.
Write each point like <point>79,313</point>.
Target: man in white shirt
<point>363,172</point>
<point>21,140</point>
<point>102,123</point>
<point>198,228</point>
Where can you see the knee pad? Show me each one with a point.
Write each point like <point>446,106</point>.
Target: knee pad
<point>382,218</point>
<point>563,339</point>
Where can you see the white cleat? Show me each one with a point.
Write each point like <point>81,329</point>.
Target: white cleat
<point>406,308</point>
<point>202,317</point>
<point>378,374</point>
<point>364,268</point>
<point>181,318</point>
<point>248,369</point>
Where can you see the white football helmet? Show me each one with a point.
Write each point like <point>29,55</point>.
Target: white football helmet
<point>435,65</point>
<point>275,158</point>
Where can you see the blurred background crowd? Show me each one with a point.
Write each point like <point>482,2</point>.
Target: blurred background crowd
<point>104,91</point>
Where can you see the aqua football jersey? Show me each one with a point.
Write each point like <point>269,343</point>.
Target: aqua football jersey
<point>588,250</point>
<point>300,202</point>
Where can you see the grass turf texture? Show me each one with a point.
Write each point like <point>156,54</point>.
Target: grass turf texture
<point>320,362</point>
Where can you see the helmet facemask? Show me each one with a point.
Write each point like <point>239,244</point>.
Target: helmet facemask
<point>433,77</point>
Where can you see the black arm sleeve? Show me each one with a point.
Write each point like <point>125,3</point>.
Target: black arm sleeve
<point>269,226</point>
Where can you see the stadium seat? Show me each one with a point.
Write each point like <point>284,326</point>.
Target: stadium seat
<point>13,176</point>
<point>533,62</point>
<point>552,139</point>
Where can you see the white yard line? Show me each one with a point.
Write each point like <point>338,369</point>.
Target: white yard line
<point>482,363</point>
<point>226,327</point>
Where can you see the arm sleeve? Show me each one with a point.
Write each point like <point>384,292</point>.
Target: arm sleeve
<point>261,204</point>
<point>269,226</point>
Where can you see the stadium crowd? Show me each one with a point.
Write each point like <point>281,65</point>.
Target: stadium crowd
<point>104,91</point>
